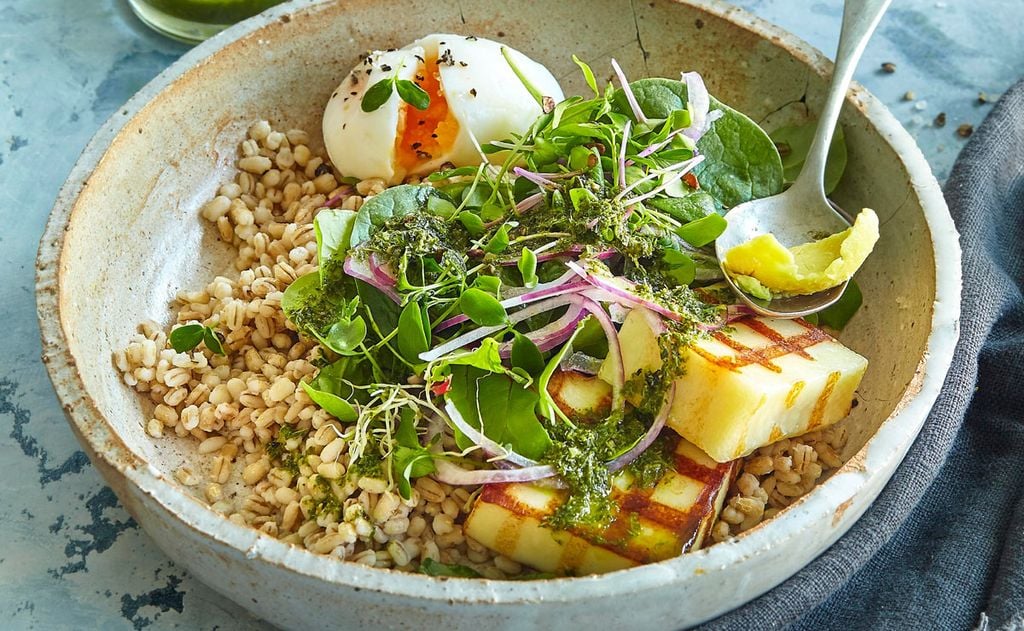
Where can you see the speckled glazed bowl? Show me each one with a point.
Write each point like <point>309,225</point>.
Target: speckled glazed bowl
<point>125,235</point>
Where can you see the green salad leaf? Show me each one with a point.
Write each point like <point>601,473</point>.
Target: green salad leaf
<point>499,407</point>
<point>839,314</point>
<point>333,235</point>
<point>413,331</point>
<point>391,203</point>
<point>332,403</point>
<point>410,459</point>
<point>431,567</point>
<point>482,307</point>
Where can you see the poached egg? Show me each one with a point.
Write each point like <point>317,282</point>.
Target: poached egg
<point>474,96</point>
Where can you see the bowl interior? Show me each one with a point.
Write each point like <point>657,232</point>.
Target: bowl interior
<point>135,236</point>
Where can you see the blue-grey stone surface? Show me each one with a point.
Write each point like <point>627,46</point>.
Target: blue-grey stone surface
<point>71,557</point>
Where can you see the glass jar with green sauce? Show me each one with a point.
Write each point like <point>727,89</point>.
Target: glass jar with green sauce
<point>192,21</point>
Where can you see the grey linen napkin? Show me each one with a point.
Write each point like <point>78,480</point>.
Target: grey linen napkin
<point>943,546</point>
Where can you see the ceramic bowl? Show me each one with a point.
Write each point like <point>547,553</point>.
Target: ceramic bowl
<point>125,235</point>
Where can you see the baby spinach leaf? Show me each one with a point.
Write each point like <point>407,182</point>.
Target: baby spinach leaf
<point>482,307</point>
<point>413,94</point>
<point>397,201</point>
<point>794,142</point>
<point>413,332</point>
<point>298,292</point>
<point>678,266</point>
<point>332,403</point>
<point>405,433</point>
<point>333,233</point>
<point>528,267</point>
<point>742,162</point>
<point>431,567</point>
<point>383,311</point>
<point>440,207</point>
<point>839,313</point>
<point>501,408</point>
<point>377,95</point>
<point>336,378</point>
<point>186,338</point>
<point>687,208</point>
<point>526,355</point>
<point>657,97</point>
<point>703,231</point>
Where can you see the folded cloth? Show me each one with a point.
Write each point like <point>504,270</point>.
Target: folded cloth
<point>943,546</point>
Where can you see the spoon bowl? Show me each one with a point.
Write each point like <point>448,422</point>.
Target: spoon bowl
<point>792,224</point>
<point>803,213</point>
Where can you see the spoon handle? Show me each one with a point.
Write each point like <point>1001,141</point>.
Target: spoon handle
<point>860,17</point>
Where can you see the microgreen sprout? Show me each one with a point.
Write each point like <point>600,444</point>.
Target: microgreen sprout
<point>409,91</point>
<point>186,338</point>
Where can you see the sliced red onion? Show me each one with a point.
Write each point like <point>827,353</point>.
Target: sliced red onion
<point>530,202</point>
<point>648,438</point>
<point>381,271</point>
<point>625,295</point>
<point>480,440</point>
<point>452,474</point>
<point>362,271</point>
<point>614,351</point>
<point>335,201</point>
<point>698,102</point>
<point>483,331</point>
<point>628,91</point>
<point>533,295</point>
<point>551,335</point>
<point>654,321</point>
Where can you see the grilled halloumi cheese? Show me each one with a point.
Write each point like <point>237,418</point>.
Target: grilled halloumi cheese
<point>653,524</point>
<point>752,384</point>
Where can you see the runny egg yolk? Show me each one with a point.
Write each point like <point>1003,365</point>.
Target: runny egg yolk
<point>424,134</point>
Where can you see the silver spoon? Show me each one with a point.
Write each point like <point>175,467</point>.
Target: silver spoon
<point>803,213</point>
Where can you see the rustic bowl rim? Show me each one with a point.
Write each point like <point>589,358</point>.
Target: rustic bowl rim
<point>891,440</point>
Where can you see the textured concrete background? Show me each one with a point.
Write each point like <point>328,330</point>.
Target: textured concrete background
<point>71,557</point>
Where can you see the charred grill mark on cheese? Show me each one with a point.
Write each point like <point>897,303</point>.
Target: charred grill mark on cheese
<point>780,347</point>
<point>818,413</point>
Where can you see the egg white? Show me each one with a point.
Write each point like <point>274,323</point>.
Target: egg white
<point>484,97</point>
